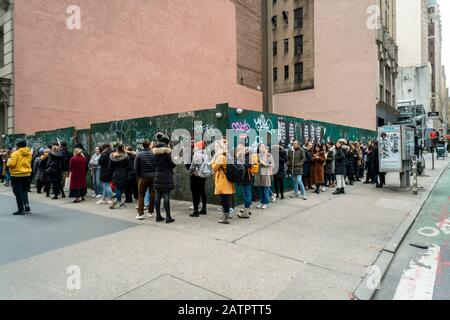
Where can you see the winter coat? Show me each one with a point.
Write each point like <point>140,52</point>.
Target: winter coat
<point>77,169</point>
<point>329,164</point>
<point>104,162</point>
<point>54,169</point>
<point>145,164</point>
<point>119,167</point>
<point>282,161</point>
<point>66,159</point>
<point>296,162</point>
<point>375,161</point>
<point>222,185</point>
<point>339,160</point>
<point>351,161</point>
<point>197,160</point>
<point>307,164</point>
<point>93,163</point>
<point>247,179</point>
<point>20,163</point>
<point>317,175</point>
<point>38,171</point>
<point>264,176</point>
<point>132,178</point>
<point>164,169</point>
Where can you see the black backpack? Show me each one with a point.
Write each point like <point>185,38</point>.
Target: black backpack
<point>235,173</point>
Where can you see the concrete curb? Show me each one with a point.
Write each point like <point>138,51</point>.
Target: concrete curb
<point>384,260</point>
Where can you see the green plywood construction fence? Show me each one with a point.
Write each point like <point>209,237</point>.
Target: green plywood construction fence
<point>133,132</point>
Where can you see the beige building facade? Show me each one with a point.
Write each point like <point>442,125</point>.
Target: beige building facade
<point>355,64</point>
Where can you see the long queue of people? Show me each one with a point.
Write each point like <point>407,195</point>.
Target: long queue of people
<point>121,175</point>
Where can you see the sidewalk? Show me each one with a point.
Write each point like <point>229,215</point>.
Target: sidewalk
<point>315,249</point>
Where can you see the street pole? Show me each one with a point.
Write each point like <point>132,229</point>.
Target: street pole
<point>414,168</point>
<point>432,157</point>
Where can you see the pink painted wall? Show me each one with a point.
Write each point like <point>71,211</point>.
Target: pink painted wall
<point>130,59</point>
<point>346,68</point>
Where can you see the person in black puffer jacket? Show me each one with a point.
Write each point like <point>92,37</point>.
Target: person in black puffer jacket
<point>281,173</point>
<point>340,167</point>
<point>132,189</point>
<point>163,182</point>
<point>54,171</point>
<point>145,169</point>
<point>105,174</point>
<point>119,167</point>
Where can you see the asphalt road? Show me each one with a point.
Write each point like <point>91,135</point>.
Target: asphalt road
<point>48,228</point>
<point>421,268</point>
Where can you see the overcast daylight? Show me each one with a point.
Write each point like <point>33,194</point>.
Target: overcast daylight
<point>233,157</point>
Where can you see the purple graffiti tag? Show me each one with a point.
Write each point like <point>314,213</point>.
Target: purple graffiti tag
<point>240,126</point>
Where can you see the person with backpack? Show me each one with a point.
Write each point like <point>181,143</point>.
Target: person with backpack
<point>224,171</point>
<point>296,161</point>
<point>264,177</point>
<point>251,167</point>
<point>198,172</point>
<point>119,167</point>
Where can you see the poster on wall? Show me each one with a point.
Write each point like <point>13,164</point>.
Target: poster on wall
<point>286,132</point>
<point>409,141</point>
<point>390,148</point>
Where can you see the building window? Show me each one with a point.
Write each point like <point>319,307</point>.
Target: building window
<point>299,72</point>
<point>298,45</point>
<point>286,45</point>
<point>286,72</point>
<point>275,48</point>
<point>275,74</point>
<point>286,18</point>
<point>298,18</point>
<point>274,22</point>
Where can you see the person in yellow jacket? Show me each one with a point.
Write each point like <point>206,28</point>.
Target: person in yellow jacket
<point>223,187</point>
<point>20,168</point>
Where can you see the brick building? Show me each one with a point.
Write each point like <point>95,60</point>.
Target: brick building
<point>127,59</point>
<point>350,61</point>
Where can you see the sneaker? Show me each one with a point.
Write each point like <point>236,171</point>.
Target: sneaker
<point>264,207</point>
<point>99,196</point>
<point>295,195</point>
<point>113,205</point>
<point>191,207</point>
<point>101,202</point>
<point>137,207</point>
<point>219,208</point>
<point>139,217</point>
<point>231,210</point>
<point>19,213</point>
<point>149,215</point>
<point>324,189</point>
<point>27,209</point>
<point>94,196</point>
<point>305,197</point>
<point>259,206</point>
<point>123,205</point>
<point>273,199</point>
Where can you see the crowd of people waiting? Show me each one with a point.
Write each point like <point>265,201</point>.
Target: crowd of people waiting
<point>120,175</point>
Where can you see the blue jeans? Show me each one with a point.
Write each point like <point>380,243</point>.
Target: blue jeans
<point>119,192</point>
<point>107,192</point>
<point>96,183</point>
<point>8,177</point>
<point>265,195</point>
<point>248,198</point>
<point>147,199</point>
<point>298,181</point>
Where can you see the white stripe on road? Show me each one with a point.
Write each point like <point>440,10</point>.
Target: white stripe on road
<point>417,282</point>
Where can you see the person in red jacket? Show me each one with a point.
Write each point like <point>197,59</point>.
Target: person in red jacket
<point>77,168</point>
